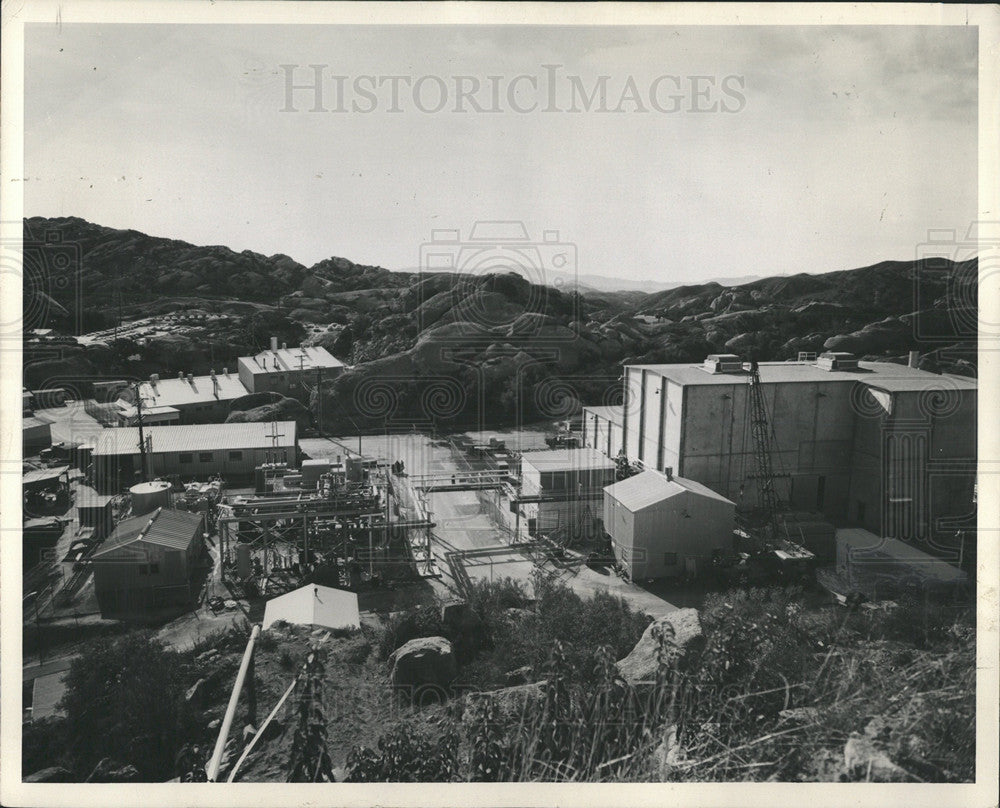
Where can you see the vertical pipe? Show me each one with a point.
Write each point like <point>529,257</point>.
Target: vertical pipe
<point>220,743</point>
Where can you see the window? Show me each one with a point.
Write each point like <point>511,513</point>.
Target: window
<point>236,455</point>
<point>154,569</point>
<point>144,569</point>
<point>185,457</point>
<point>820,492</point>
<point>670,559</point>
<point>204,457</point>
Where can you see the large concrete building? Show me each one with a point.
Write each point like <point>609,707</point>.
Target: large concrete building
<point>149,565</point>
<point>880,445</point>
<point>663,526</point>
<point>193,451</point>
<point>288,371</point>
<point>563,490</point>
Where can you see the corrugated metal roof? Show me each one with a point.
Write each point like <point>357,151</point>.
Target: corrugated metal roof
<point>788,372</point>
<point>172,529</point>
<point>614,413</point>
<point>43,475</point>
<point>196,437</point>
<point>288,359</point>
<point>174,392</point>
<point>650,487</point>
<point>567,460</point>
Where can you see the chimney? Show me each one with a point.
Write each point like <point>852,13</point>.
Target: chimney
<point>152,382</point>
<point>914,359</point>
<point>669,472</point>
<point>284,346</point>
<point>274,343</point>
<point>180,375</point>
<point>215,385</point>
<point>190,380</point>
<point>225,372</point>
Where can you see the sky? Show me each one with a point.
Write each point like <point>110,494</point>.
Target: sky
<point>716,152</point>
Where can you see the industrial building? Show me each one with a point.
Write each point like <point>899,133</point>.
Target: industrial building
<point>289,371</point>
<point>149,565</point>
<point>562,491</point>
<point>196,399</point>
<point>880,445</point>
<point>603,429</point>
<point>663,526</point>
<point>192,451</point>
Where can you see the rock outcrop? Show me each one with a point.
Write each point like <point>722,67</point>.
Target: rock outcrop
<point>641,663</point>
<point>423,665</point>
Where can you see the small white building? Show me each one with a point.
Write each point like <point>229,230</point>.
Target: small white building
<point>562,491</point>
<point>314,605</point>
<point>663,526</point>
<point>289,371</point>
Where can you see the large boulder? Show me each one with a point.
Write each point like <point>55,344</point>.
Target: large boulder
<point>426,663</point>
<point>641,663</point>
<point>512,706</point>
<point>865,761</point>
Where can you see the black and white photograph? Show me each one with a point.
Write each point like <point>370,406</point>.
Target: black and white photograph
<point>526,403</point>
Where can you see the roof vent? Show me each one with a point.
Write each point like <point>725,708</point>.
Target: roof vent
<point>723,363</point>
<point>837,360</point>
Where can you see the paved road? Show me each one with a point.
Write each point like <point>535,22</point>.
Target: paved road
<point>467,545</point>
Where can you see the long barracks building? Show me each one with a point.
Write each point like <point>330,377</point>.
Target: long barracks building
<point>884,446</point>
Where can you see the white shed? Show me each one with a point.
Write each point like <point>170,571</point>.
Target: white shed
<point>314,605</point>
<point>666,526</point>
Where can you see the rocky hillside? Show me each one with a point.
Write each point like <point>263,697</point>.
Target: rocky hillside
<point>443,349</point>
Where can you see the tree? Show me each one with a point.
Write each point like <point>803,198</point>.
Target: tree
<point>123,701</point>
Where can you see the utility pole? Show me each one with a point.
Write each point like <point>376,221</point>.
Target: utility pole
<point>319,400</point>
<point>142,438</point>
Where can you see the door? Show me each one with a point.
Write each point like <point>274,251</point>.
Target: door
<point>690,567</point>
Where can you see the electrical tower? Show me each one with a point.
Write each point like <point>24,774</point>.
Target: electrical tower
<point>760,429</point>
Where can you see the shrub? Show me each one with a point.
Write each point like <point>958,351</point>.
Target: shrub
<point>406,756</point>
<point>122,701</point>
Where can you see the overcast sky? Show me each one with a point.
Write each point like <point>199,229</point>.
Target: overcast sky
<point>828,148</point>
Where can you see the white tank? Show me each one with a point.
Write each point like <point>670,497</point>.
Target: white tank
<point>148,497</point>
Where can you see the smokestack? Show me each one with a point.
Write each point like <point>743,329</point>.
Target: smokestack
<point>914,358</point>
<point>274,343</point>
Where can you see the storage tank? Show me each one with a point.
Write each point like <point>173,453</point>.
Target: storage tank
<point>355,469</point>
<point>148,497</point>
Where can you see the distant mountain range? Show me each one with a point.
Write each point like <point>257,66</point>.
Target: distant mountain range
<point>430,347</point>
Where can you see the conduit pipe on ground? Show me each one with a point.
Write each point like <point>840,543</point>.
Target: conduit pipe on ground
<point>212,770</point>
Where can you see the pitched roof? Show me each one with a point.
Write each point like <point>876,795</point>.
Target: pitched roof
<point>196,437</point>
<point>172,529</point>
<point>287,359</point>
<point>316,605</point>
<point>650,487</point>
<point>567,460</point>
